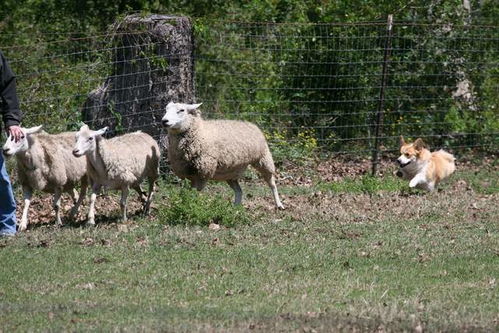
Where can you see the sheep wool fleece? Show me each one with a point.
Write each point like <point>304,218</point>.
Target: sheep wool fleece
<point>209,146</point>
<point>125,160</point>
<point>46,165</point>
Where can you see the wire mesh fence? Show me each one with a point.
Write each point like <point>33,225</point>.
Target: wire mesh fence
<point>327,86</point>
<point>326,80</point>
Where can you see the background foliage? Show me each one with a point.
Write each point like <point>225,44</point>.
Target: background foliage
<point>33,30</point>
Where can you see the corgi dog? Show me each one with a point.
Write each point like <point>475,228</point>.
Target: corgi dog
<point>422,168</point>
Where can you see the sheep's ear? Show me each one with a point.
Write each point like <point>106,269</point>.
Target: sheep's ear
<point>101,131</point>
<point>419,144</point>
<point>84,127</point>
<point>401,141</point>
<point>192,107</point>
<point>33,130</point>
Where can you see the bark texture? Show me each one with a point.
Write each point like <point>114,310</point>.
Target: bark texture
<point>152,64</point>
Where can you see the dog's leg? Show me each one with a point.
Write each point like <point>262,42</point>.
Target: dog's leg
<point>430,186</point>
<point>419,178</point>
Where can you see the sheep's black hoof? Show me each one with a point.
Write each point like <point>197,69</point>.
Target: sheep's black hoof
<point>399,174</point>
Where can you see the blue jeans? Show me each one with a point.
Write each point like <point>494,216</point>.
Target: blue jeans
<point>7,202</point>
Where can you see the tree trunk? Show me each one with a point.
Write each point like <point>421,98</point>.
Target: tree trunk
<point>151,64</point>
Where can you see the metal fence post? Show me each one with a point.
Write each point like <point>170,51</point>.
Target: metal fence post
<point>381,102</point>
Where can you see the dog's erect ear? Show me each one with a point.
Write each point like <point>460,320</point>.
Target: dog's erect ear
<point>401,141</point>
<point>419,144</point>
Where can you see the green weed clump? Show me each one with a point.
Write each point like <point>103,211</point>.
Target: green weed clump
<point>298,148</point>
<point>189,207</point>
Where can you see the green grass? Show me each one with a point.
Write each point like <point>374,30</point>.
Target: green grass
<point>360,254</point>
<point>188,207</point>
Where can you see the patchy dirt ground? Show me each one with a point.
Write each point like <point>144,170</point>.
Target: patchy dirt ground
<point>347,208</point>
<point>343,206</point>
<point>107,209</point>
<point>333,169</point>
<point>343,166</point>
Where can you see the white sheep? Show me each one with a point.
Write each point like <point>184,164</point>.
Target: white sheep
<point>200,150</point>
<point>122,162</point>
<point>45,163</point>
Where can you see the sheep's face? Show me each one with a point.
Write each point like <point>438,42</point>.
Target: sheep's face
<point>11,147</point>
<point>86,140</point>
<point>178,115</point>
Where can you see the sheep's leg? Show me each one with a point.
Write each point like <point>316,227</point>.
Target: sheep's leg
<point>57,206</point>
<point>124,196</point>
<point>74,195</point>
<point>271,182</point>
<point>91,208</point>
<point>269,178</point>
<point>234,184</point>
<point>150,194</point>
<point>198,184</point>
<point>27,201</point>
<point>81,197</point>
<point>142,194</point>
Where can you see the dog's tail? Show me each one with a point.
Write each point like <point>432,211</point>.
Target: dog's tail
<point>448,157</point>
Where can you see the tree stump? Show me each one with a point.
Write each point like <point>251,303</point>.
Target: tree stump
<point>152,64</point>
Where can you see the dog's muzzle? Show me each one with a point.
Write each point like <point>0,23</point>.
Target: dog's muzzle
<point>404,164</point>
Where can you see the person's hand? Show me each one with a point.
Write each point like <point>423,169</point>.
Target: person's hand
<point>15,132</point>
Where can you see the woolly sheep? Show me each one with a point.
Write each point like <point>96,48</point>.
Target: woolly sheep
<point>200,150</point>
<point>121,163</point>
<point>45,163</point>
